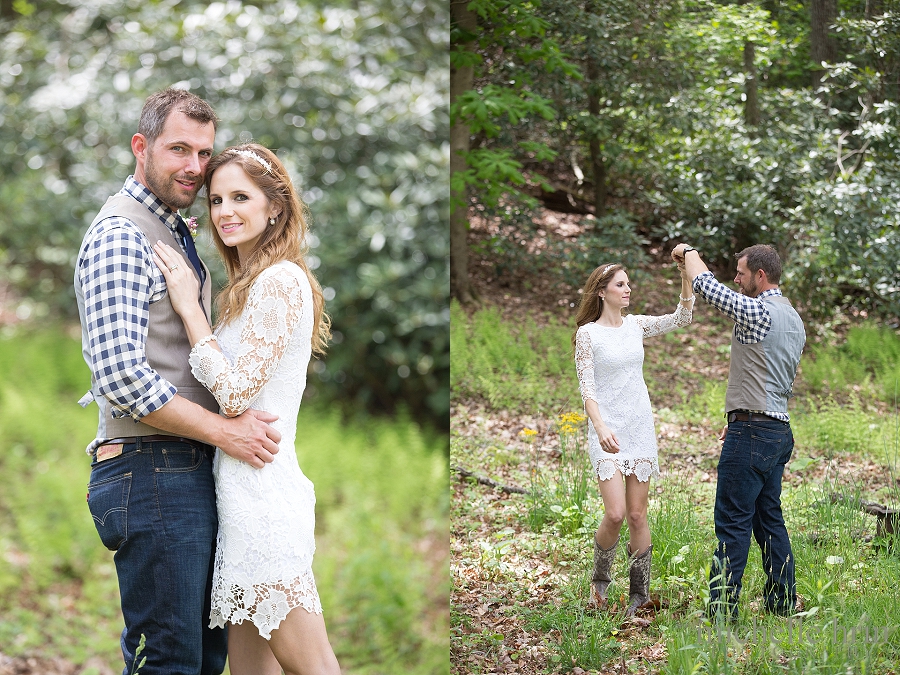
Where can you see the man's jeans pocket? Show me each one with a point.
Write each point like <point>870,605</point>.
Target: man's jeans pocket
<point>108,502</point>
<point>766,448</point>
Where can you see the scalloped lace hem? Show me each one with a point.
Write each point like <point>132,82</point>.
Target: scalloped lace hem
<point>267,605</point>
<point>643,468</point>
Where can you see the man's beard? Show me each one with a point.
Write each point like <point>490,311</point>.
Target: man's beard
<point>750,289</point>
<point>164,188</point>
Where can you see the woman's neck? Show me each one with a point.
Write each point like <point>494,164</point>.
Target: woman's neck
<point>610,317</point>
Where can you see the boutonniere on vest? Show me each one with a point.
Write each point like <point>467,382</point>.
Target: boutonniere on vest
<point>192,226</point>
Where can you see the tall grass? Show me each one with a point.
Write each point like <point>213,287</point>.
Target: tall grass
<point>382,519</point>
<point>562,496</point>
<point>521,367</point>
<point>382,558</point>
<point>868,362</point>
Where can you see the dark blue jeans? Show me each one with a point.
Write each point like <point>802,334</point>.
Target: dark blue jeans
<point>155,506</point>
<point>748,499</point>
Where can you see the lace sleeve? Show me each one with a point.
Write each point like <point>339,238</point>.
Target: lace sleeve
<point>584,365</point>
<point>657,325</point>
<point>273,310</point>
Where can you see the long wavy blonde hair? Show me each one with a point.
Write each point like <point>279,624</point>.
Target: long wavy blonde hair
<point>285,240</point>
<point>591,306</point>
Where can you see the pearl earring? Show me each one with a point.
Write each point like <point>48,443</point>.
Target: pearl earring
<point>271,221</point>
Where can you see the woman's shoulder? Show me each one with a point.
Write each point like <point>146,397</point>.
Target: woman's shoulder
<point>282,278</point>
<point>284,272</point>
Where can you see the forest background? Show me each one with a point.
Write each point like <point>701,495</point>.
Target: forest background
<point>715,123</point>
<point>352,95</point>
<point>589,132</point>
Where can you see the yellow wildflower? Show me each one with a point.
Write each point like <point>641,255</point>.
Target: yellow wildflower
<point>572,418</point>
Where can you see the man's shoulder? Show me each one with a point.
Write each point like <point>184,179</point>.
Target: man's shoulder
<point>112,227</point>
<point>112,236</point>
<point>785,306</point>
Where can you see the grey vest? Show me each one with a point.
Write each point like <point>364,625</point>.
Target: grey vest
<point>167,345</point>
<point>762,374</point>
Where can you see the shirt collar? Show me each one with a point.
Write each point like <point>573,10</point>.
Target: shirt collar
<point>769,293</point>
<point>143,195</point>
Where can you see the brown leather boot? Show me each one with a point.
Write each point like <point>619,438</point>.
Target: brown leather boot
<point>639,573</point>
<point>602,578</point>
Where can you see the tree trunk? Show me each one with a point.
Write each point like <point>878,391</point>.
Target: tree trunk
<point>598,166</point>
<point>461,80</point>
<point>822,46</point>
<point>873,8</point>
<point>888,81</point>
<point>751,105</point>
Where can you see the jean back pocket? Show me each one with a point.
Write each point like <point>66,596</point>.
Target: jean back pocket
<point>108,503</point>
<point>766,448</point>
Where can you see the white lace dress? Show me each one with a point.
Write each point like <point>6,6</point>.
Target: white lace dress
<point>610,363</point>
<point>265,545</point>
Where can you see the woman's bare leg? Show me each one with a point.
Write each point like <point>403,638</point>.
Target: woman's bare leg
<point>249,652</point>
<point>614,508</point>
<point>301,645</point>
<point>636,499</point>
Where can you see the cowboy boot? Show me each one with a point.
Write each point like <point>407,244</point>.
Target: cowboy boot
<point>639,587</point>
<point>601,579</point>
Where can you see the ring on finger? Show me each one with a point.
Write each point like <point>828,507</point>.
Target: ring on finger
<point>173,268</point>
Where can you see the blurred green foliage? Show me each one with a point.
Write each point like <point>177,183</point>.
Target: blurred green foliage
<point>381,530</point>
<point>352,95</point>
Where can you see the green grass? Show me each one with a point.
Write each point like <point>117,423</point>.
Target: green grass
<point>866,362</point>
<point>382,517</point>
<point>848,580</point>
<point>513,367</point>
<point>707,404</point>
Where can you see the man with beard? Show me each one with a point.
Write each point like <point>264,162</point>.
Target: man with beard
<point>766,344</point>
<point>151,491</point>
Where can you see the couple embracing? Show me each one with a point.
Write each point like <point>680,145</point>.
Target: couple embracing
<point>194,478</point>
<point>767,341</point>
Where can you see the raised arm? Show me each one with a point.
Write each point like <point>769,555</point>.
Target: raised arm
<point>682,316</point>
<point>273,311</point>
<point>747,312</point>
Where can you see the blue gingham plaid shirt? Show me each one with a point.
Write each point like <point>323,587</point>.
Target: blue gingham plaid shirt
<point>752,320</point>
<point>120,281</point>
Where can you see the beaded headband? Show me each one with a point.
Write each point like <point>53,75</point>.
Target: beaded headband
<point>252,155</point>
<point>607,269</point>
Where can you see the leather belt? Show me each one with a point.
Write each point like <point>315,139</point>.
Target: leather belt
<point>151,439</point>
<point>743,416</point>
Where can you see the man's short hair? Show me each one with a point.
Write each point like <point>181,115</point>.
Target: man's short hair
<point>157,108</point>
<point>763,257</point>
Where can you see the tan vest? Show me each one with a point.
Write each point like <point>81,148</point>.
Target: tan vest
<point>167,345</point>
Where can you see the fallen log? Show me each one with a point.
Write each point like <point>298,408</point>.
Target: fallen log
<point>888,522</point>
<point>490,483</point>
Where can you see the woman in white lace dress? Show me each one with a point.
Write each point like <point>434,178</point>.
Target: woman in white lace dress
<point>271,318</point>
<point>609,358</point>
